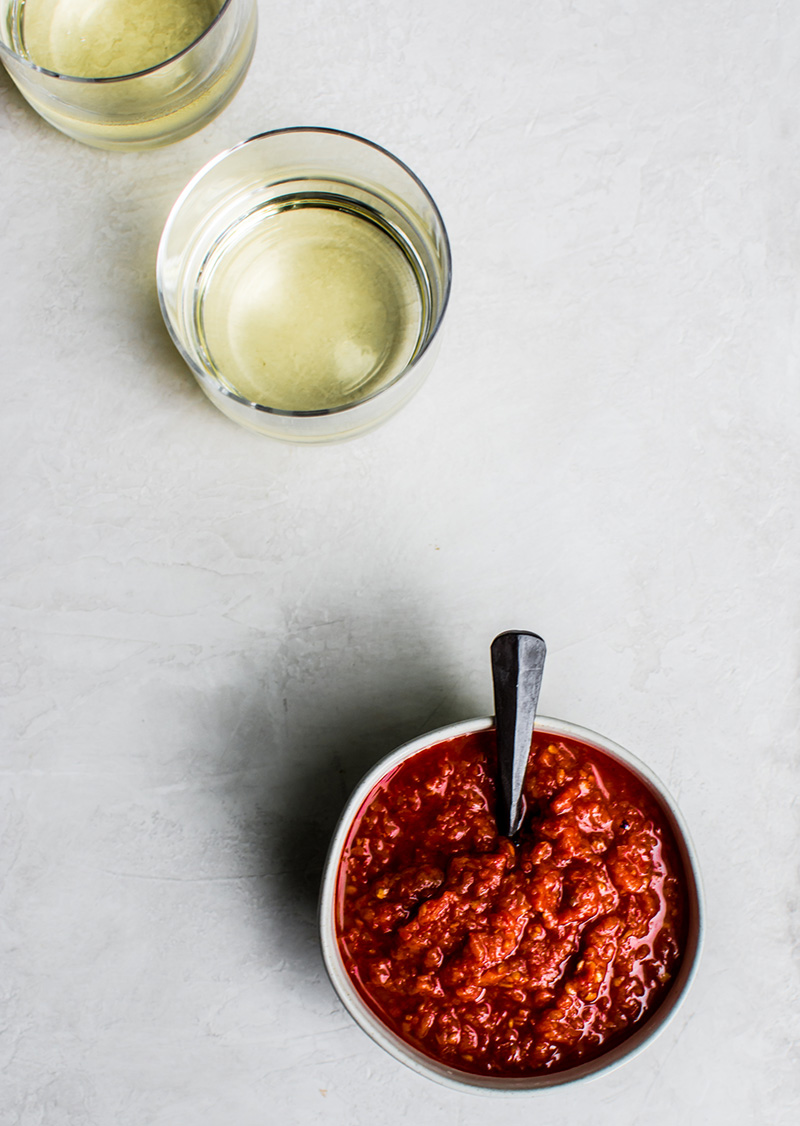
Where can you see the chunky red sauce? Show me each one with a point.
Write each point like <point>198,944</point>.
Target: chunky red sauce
<point>504,960</point>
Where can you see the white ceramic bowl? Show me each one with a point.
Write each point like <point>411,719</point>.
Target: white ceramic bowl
<point>465,1081</point>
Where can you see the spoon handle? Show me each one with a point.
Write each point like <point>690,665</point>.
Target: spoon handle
<point>517,666</point>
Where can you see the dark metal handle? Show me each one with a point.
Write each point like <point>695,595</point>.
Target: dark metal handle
<point>517,667</point>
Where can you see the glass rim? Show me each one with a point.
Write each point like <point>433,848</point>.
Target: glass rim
<point>214,383</point>
<point>4,47</point>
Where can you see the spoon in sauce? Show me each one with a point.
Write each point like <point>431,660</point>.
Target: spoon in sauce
<point>517,667</point>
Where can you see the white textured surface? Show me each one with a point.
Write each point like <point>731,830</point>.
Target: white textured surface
<point>207,637</point>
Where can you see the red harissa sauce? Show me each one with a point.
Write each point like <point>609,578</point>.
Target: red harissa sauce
<point>503,960</point>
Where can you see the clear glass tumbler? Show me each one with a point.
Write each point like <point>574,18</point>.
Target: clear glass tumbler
<point>304,275</point>
<point>127,74</point>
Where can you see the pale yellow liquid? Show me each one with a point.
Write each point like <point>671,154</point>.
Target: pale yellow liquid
<point>110,95</point>
<point>309,308</point>
<point>110,38</point>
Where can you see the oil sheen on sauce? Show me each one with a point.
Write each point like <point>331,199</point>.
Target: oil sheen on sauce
<point>512,959</point>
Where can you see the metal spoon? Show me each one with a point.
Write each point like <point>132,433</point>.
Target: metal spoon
<point>517,667</point>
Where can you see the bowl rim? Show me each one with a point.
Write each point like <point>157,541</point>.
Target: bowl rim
<point>464,1081</point>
